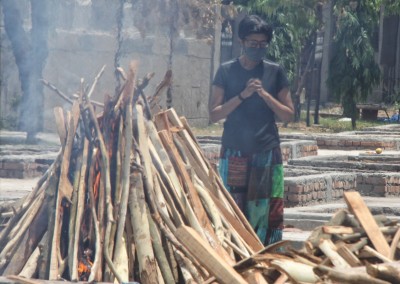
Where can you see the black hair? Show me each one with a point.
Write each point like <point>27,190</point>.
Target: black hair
<point>253,24</point>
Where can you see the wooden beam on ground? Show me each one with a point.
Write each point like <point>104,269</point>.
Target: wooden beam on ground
<point>208,257</point>
<point>360,210</point>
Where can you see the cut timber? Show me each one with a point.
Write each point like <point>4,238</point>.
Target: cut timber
<point>207,256</point>
<point>367,221</point>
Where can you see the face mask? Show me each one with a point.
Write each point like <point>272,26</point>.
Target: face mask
<point>254,53</point>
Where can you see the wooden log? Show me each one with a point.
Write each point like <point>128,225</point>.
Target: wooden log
<point>387,271</point>
<point>105,173</point>
<point>208,257</point>
<point>141,230</point>
<point>95,81</point>
<point>250,239</point>
<point>360,210</point>
<point>186,265</point>
<point>60,125</point>
<point>80,202</point>
<point>367,251</point>
<point>194,198</point>
<point>160,253</point>
<point>296,271</point>
<point>21,228</point>
<point>317,234</point>
<point>128,89</point>
<point>149,266</point>
<point>254,277</point>
<point>33,233</point>
<point>31,266</point>
<point>120,249</point>
<point>211,209</point>
<point>395,242</point>
<point>339,230</point>
<point>95,273</point>
<point>65,190</point>
<point>192,146</point>
<point>348,276</point>
<point>330,250</point>
<point>349,256</point>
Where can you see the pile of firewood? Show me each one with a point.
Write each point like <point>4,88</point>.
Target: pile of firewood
<point>353,247</point>
<point>129,197</point>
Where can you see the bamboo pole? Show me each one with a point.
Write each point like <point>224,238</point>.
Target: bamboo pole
<point>160,253</point>
<point>95,273</point>
<point>31,266</point>
<point>141,231</point>
<point>119,249</point>
<point>105,172</point>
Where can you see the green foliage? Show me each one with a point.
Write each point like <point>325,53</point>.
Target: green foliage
<point>335,126</point>
<point>392,7</point>
<point>353,70</point>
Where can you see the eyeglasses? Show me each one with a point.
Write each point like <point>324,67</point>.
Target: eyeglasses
<point>256,43</point>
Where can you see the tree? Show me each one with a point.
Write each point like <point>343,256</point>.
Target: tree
<point>353,70</point>
<point>30,52</point>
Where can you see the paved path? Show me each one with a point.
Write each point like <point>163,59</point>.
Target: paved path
<point>12,189</point>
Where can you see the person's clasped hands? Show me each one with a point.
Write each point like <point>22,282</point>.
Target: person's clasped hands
<point>253,86</point>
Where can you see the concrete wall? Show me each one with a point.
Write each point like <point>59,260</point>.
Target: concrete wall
<point>83,38</point>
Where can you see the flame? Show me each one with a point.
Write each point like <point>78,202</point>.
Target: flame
<point>84,267</point>
<point>96,185</point>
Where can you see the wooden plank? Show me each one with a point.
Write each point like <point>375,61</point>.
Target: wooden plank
<point>339,230</point>
<point>193,195</point>
<point>250,239</point>
<point>208,257</point>
<point>60,125</point>
<point>360,210</point>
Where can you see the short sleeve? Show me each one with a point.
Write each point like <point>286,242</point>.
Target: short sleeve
<point>282,80</point>
<point>220,78</point>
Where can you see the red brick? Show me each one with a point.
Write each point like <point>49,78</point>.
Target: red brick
<point>14,166</point>
<point>297,198</point>
<point>296,189</point>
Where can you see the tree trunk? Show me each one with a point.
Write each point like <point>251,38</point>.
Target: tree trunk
<point>30,54</point>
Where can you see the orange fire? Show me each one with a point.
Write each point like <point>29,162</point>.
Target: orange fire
<point>84,268</point>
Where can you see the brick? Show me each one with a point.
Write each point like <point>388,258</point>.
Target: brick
<point>14,166</point>
<point>365,188</point>
<point>379,189</point>
<point>375,180</point>
<point>296,189</point>
<point>296,198</point>
<point>314,195</point>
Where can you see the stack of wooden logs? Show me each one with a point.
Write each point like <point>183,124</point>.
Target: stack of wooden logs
<point>130,197</point>
<point>353,247</point>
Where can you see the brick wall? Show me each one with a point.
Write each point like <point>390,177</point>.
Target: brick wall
<point>320,188</point>
<point>23,169</point>
<point>382,184</point>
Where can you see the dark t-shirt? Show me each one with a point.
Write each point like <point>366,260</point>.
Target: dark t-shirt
<point>251,127</point>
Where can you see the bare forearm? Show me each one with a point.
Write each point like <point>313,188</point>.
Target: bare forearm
<point>284,112</point>
<point>222,111</point>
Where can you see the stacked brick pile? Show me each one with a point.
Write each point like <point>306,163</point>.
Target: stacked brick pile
<point>318,188</point>
<point>355,142</point>
<point>380,184</point>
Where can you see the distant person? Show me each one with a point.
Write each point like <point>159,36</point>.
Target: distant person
<point>248,92</point>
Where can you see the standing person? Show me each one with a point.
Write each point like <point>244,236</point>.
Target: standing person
<point>248,92</point>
